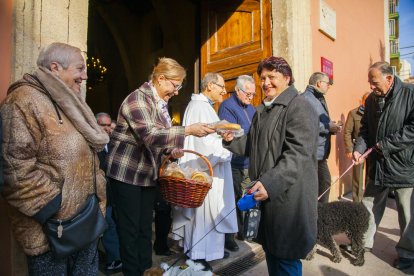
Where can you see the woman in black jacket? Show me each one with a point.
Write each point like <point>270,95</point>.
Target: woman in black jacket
<point>282,146</point>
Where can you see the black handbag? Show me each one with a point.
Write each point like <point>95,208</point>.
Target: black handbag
<point>71,235</point>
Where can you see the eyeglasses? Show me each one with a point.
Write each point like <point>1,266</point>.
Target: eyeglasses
<point>248,95</point>
<point>177,87</point>
<point>219,85</point>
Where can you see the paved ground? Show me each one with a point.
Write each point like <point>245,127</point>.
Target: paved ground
<point>378,262</point>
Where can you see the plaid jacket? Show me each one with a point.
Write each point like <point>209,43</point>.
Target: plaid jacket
<point>139,139</point>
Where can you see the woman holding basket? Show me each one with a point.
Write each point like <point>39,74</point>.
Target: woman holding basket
<point>143,134</point>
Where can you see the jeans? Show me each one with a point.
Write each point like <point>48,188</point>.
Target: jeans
<point>375,199</point>
<point>283,267</point>
<point>110,238</point>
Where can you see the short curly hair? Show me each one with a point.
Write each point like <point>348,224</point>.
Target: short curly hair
<point>278,64</point>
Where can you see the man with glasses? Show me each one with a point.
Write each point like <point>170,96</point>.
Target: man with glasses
<point>216,213</point>
<point>319,85</point>
<point>238,109</point>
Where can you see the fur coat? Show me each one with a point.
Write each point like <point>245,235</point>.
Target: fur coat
<point>48,156</point>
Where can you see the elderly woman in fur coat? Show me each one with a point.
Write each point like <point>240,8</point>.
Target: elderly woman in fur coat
<point>282,145</point>
<point>49,146</point>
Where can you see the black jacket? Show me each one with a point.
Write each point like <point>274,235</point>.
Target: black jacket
<point>282,145</point>
<point>393,128</point>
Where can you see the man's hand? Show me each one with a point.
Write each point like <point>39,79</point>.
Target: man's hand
<point>358,159</point>
<point>261,194</point>
<point>335,127</point>
<point>198,130</point>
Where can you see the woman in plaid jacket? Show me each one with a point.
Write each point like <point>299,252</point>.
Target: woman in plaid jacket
<point>142,135</point>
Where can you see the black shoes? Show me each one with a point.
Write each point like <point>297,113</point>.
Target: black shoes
<point>207,266</point>
<point>226,255</point>
<point>403,263</point>
<point>231,245</point>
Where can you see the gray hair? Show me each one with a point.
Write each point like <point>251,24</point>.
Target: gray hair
<point>209,77</point>
<point>384,67</point>
<point>242,80</point>
<point>102,114</point>
<point>57,52</point>
<point>317,76</point>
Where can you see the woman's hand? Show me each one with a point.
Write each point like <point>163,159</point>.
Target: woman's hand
<point>261,194</point>
<point>177,153</point>
<point>198,130</point>
<point>227,135</point>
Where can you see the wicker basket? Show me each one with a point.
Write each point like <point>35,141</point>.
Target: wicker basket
<point>183,192</point>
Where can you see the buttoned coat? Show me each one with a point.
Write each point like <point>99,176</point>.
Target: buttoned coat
<point>351,128</point>
<point>282,145</point>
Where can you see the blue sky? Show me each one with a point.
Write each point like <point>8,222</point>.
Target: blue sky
<point>406,10</point>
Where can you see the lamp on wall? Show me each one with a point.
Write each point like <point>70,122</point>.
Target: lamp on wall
<point>96,71</point>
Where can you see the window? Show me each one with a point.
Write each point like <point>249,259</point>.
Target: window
<point>392,27</point>
<point>392,5</point>
<point>394,47</point>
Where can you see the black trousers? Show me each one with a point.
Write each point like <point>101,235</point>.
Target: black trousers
<point>162,222</point>
<point>133,207</point>
<point>324,180</point>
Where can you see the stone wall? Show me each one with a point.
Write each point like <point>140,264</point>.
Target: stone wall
<point>38,23</point>
<point>292,37</point>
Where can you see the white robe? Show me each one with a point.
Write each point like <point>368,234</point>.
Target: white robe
<point>219,204</point>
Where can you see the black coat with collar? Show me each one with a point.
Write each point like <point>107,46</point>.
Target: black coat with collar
<point>282,145</point>
<point>393,129</point>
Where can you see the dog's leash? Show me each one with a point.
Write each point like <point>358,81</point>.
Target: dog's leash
<point>188,250</point>
<point>353,164</point>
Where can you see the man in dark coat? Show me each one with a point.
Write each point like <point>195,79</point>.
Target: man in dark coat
<point>351,132</point>
<point>388,125</point>
<point>282,145</point>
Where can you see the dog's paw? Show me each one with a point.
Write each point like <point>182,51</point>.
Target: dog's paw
<point>336,259</point>
<point>358,262</point>
<point>309,257</point>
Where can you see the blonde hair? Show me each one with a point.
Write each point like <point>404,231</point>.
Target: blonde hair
<point>170,68</point>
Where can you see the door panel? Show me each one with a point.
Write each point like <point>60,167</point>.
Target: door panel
<point>236,37</point>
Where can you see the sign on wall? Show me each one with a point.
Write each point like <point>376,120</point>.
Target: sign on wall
<point>327,20</point>
<point>327,68</point>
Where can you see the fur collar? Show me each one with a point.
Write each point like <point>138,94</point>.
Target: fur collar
<point>74,107</point>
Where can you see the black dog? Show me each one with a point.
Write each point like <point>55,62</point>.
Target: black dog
<point>342,217</point>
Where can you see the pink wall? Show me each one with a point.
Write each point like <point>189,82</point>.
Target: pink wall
<point>5,45</point>
<point>359,38</point>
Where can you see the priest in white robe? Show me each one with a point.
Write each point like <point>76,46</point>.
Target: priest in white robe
<point>218,210</point>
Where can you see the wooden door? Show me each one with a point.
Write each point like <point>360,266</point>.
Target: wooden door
<point>236,36</point>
